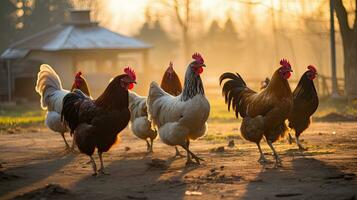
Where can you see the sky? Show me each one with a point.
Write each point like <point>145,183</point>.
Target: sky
<point>128,16</point>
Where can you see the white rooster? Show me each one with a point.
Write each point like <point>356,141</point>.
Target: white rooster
<point>49,87</point>
<point>139,122</point>
<point>182,118</point>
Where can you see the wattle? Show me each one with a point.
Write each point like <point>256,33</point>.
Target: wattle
<point>131,86</point>
<point>287,75</point>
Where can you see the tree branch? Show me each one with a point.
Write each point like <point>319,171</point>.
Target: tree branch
<point>342,18</point>
<point>177,11</point>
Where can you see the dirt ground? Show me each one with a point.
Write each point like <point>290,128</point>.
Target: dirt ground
<point>35,165</point>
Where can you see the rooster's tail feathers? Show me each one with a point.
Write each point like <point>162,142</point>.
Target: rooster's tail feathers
<point>47,82</point>
<point>70,108</point>
<point>233,90</point>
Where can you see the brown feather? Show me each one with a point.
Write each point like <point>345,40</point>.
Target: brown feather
<point>171,83</point>
<point>83,86</point>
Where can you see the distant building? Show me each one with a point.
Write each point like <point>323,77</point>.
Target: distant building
<point>78,44</point>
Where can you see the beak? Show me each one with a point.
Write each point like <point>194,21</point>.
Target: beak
<point>203,65</point>
<point>290,70</point>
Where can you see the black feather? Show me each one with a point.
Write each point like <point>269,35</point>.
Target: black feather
<point>232,91</point>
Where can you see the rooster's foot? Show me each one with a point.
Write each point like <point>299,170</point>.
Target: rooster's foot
<point>178,154</point>
<point>263,160</point>
<point>302,148</point>
<point>190,163</point>
<point>94,174</point>
<point>278,164</point>
<point>278,160</point>
<point>197,159</point>
<point>101,171</point>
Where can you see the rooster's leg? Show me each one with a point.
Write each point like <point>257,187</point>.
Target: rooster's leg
<point>262,158</point>
<point>101,170</point>
<point>301,147</point>
<point>94,166</point>
<point>147,146</point>
<point>178,154</point>
<point>151,145</point>
<point>65,141</point>
<point>73,146</point>
<point>189,161</point>
<point>277,158</point>
<point>290,139</point>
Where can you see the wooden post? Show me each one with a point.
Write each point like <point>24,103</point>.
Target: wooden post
<point>9,81</point>
<point>334,93</point>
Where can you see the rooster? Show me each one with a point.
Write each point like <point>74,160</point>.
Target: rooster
<point>182,118</point>
<point>139,122</point>
<point>49,87</point>
<point>263,113</point>
<point>96,123</point>
<point>306,102</point>
<point>170,82</point>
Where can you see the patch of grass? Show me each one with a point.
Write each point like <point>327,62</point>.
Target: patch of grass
<point>221,137</point>
<point>20,116</point>
<point>339,106</point>
<point>219,112</point>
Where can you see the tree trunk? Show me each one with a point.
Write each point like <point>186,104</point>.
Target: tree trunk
<point>350,66</point>
<point>349,41</point>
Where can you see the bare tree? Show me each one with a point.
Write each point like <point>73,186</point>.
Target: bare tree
<point>182,13</point>
<point>349,41</point>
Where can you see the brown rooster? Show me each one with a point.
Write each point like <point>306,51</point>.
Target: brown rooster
<point>171,84</point>
<point>80,83</point>
<point>306,102</point>
<point>96,123</point>
<point>263,113</point>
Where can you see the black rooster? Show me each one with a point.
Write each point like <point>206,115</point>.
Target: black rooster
<point>96,123</point>
<point>306,102</point>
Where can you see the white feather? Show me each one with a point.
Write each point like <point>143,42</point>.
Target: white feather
<point>53,121</point>
<point>177,120</point>
<point>49,87</point>
<point>139,122</point>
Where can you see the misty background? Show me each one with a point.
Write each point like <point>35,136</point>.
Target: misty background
<point>249,37</point>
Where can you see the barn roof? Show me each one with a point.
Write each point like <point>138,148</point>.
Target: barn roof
<point>78,34</point>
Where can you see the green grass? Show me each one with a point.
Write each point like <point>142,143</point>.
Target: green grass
<point>32,115</point>
<point>20,116</point>
<point>219,112</point>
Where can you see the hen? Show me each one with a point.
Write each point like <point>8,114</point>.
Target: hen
<point>96,123</point>
<point>139,122</point>
<point>182,118</point>
<point>49,87</point>
<point>306,102</point>
<point>263,113</point>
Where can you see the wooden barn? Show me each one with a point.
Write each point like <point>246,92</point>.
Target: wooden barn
<point>79,44</point>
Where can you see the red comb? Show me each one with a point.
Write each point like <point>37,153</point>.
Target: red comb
<point>198,58</point>
<point>130,72</point>
<point>312,68</point>
<point>285,63</point>
<point>78,75</point>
